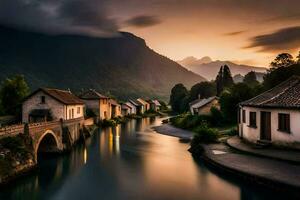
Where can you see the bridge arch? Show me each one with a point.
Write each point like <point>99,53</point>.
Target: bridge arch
<point>47,143</point>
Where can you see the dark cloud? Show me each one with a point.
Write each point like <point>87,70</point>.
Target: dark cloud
<point>59,16</point>
<point>143,21</point>
<point>281,40</point>
<point>234,33</point>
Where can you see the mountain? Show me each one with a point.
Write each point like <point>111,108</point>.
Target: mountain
<point>124,66</point>
<point>209,70</point>
<point>192,61</point>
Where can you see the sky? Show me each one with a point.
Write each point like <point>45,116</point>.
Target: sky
<point>245,31</point>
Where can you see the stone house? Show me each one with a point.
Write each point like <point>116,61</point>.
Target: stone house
<point>139,107</point>
<point>203,106</point>
<point>273,116</point>
<point>97,103</point>
<point>47,104</point>
<point>145,104</point>
<point>115,109</point>
<point>132,106</point>
<point>154,105</point>
<point>126,110</point>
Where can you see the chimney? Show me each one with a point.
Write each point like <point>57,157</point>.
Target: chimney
<point>199,96</point>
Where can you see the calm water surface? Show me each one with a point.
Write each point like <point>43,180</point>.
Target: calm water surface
<point>130,161</point>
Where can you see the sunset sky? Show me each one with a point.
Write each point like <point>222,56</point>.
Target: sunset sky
<point>245,31</point>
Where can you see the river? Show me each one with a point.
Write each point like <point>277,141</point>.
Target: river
<point>130,161</point>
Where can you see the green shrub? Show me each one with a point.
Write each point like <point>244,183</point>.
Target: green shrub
<point>107,123</point>
<point>188,121</point>
<point>232,132</point>
<point>204,134</point>
<point>217,118</point>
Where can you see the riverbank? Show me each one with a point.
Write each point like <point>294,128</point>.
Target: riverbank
<point>267,172</point>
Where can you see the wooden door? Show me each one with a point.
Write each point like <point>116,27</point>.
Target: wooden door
<point>265,124</point>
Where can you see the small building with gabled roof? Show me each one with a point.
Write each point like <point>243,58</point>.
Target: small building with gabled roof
<point>203,106</point>
<point>115,108</point>
<point>46,104</point>
<point>273,116</point>
<point>139,106</point>
<point>97,103</point>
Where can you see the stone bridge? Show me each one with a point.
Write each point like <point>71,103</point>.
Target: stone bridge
<point>53,136</point>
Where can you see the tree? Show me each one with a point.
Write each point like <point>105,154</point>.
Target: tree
<point>278,75</point>
<point>250,79</point>
<point>219,81</point>
<point>204,90</point>
<point>298,58</point>
<point>223,79</point>
<point>227,78</point>
<point>178,94</point>
<point>230,99</point>
<point>282,60</point>
<point>12,92</point>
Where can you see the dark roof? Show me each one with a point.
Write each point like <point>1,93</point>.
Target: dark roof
<point>92,94</point>
<point>284,95</point>
<point>135,102</point>
<point>113,102</point>
<point>202,102</point>
<point>63,96</point>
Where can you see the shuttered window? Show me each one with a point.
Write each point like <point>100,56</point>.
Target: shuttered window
<point>284,122</point>
<point>252,119</point>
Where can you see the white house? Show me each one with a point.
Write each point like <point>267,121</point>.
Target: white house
<point>47,104</point>
<point>203,106</point>
<point>273,116</point>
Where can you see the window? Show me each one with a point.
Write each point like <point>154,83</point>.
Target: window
<point>78,110</point>
<point>72,113</point>
<point>252,119</point>
<point>244,116</point>
<point>284,122</point>
<point>43,99</point>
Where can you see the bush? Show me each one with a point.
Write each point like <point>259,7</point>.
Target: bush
<point>107,123</point>
<point>188,121</point>
<point>217,118</point>
<point>232,132</point>
<point>204,134</point>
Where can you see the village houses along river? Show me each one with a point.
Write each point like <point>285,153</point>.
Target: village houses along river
<point>130,161</point>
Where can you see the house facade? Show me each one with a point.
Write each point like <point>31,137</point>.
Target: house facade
<point>154,105</point>
<point>132,106</point>
<point>140,109</point>
<point>97,103</point>
<point>273,116</point>
<point>145,104</point>
<point>47,104</point>
<point>126,110</point>
<point>115,109</point>
<point>203,106</point>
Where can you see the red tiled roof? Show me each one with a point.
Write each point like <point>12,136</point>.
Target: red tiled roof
<point>63,96</point>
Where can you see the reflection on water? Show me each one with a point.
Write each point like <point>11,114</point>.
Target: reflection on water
<point>129,161</point>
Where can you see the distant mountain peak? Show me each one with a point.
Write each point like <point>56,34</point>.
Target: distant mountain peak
<point>192,61</point>
<point>208,68</point>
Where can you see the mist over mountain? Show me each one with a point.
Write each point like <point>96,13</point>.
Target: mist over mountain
<point>210,69</point>
<point>124,66</point>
